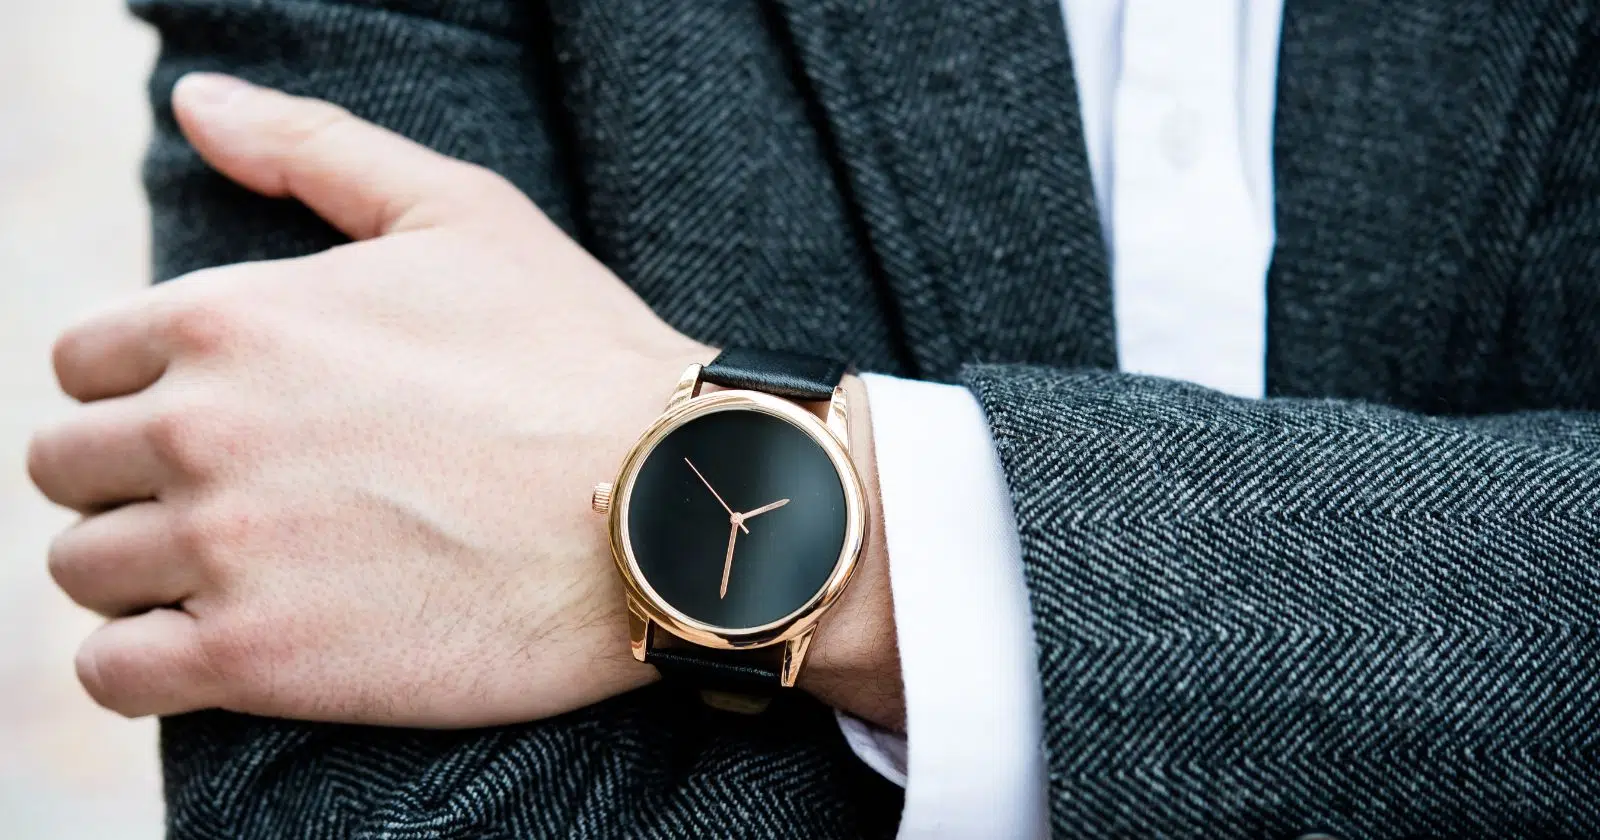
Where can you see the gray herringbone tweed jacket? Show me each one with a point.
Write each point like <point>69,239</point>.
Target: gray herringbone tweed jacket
<point>1366,604</point>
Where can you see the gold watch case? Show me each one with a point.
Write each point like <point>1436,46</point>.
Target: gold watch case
<point>648,612</point>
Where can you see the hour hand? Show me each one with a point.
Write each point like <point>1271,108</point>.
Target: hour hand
<point>749,515</point>
<point>731,516</point>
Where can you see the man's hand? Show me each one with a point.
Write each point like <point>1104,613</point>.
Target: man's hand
<point>354,486</point>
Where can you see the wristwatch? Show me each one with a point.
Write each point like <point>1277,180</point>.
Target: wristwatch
<point>736,521</point>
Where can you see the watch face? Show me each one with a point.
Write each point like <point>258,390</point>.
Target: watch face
<point>737,519</point>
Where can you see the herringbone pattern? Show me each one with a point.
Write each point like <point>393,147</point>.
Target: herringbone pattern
<point>650,765</point>
<point>1259,617</point>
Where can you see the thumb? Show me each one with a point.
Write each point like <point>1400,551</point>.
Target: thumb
<point>365,180</point>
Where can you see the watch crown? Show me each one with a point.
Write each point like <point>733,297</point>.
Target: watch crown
<point>601,500</point>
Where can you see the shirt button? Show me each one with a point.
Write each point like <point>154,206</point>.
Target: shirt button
<point>1181,137</point>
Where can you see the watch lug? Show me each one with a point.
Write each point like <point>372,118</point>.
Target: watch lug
<point>794,657</point>
<point>839,416</point>
<point>638,630</point>
<point>687,389</point>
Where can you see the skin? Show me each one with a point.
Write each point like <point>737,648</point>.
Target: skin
<point>354,486</point>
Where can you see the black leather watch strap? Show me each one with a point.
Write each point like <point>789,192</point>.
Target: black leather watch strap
<point>795,376</point>
<point>735,671</point>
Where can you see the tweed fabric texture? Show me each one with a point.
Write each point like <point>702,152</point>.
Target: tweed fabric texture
<point>1257,617</point>
<point>1367,604</point>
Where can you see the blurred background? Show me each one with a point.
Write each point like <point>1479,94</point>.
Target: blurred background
<point>73,236</point>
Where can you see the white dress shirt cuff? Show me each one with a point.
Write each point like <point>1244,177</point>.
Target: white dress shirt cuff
<point>971,761</point>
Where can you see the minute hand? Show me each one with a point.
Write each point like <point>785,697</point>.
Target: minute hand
<point>713,490</point>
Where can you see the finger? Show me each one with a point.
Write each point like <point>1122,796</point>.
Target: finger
<point>111,354</point>
<point>128,348</point>
<point>104,456</point>
<point>149,664</point>
<point>124,561</point>
<point>365,180</point>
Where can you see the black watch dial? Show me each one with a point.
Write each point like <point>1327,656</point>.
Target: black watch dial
<point>737,518</point>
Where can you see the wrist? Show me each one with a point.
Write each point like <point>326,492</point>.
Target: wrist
<point>854,665</point>
<point>642,387</point>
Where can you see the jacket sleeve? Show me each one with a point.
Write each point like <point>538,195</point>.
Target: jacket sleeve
<point>475,79</point>
<point>1266,617</point>
<point>1271,616</point>
<point>1257,618</point>
<point>456,76</point>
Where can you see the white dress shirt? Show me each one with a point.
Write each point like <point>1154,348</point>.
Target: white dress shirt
<point>1177,101</point>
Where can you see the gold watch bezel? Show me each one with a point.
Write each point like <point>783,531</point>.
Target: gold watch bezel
<point>804,618</point>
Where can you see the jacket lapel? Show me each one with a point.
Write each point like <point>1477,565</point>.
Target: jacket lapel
<point>958,126</point>
<point>1392,121</point>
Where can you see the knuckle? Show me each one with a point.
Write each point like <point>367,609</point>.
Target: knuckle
<point>65,353</point>
<point>315,120</point>
<point>202,328</point>
<point>482,182</point>
<point>477,192</point>
<point>87,665</point>
<point>190,536</point>
<point>192,440</point>
<point>42,458</point>
<point>108,673</point>
<point>173,436</point>
<point>232,652</point>
<point>211,534</point>
<point>65,563</point>
<point>50,463</point>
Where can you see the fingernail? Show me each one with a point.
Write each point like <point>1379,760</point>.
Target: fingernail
<point>209,89</point>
